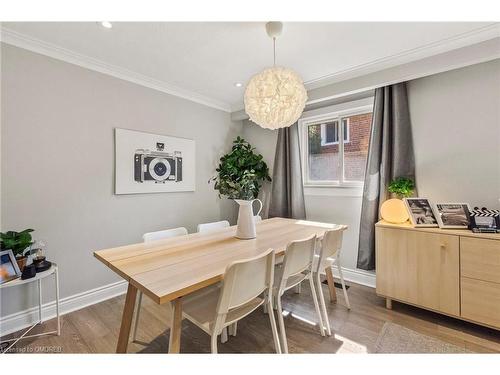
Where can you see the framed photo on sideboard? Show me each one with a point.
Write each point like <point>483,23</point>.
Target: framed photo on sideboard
<point>452,215</point>
<point>421,213</point>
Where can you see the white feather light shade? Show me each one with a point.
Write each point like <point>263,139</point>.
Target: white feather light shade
<point>275,98</point>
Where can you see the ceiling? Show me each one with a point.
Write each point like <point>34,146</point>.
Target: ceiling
<point>205,59</point>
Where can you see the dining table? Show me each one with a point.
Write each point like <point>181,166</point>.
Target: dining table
<point>169,269</point>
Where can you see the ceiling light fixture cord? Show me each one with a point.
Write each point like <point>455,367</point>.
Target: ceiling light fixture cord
<point>274,51</point>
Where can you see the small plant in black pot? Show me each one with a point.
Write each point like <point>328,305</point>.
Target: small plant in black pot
<point>18,242</point>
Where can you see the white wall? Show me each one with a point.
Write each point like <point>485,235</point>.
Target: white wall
<point>58,161</point>
<point>456,128</point>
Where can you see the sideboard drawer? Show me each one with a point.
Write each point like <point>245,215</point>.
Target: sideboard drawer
<point>480,301</point>
<point>480,259</point>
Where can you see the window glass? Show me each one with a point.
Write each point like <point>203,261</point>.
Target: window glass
<point>356,149</point>
<point>324,161</point>
<point>322,157</point>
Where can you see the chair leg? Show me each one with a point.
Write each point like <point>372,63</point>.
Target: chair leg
<point>316,305</point>
<point>322,303</point>
<point>233,328</point>
<point>281,322</point>
<point>274,329</point>
<point>213,342</point>
<point>343,285</point>
<point>266,308</point>
<point>298,288</point>
<point>137,314</point>
<point>223,335</point>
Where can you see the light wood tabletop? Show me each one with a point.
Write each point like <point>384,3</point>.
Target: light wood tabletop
<point>169,269</point>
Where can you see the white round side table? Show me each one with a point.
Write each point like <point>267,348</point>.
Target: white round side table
<point>38,278</point>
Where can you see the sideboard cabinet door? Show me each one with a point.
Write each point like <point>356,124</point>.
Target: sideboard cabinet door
<point>419,268</point>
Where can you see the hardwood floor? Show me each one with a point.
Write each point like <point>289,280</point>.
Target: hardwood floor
<point>95,329</point>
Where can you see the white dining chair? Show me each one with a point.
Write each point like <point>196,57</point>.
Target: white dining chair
<point>162,234</point>
<point>247,284</point>
<point>257,218</point>
<point>209,227</point>
<point>297,266</point>
<point>328,255</point>
<point>148,237</point>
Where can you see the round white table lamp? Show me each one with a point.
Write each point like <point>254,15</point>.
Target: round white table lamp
<point>394,211</point>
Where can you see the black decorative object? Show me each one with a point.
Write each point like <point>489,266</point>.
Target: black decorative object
<point>29,271</point>
<point>42,264</point>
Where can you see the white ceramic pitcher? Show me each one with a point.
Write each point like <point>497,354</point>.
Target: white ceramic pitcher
<point>246,221</point>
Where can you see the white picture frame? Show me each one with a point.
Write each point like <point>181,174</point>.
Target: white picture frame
<point>9,270</point>
<point>451,215</point>
<point>153,163</point>
<point>421,212</point>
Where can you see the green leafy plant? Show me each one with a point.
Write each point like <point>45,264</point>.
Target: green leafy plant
<point>403,187</point>
<point>16,241</point>
<point>241,172</point>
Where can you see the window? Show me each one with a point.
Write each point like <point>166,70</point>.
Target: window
<point>330,132</point>
<point>336,155</point>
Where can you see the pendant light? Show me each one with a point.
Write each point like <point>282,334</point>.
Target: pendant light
<point>275,98</point>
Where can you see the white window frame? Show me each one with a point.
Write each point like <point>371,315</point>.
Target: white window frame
<point>305,122</point>
<point>323,134</point>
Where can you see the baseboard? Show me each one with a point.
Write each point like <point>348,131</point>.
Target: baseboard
<point>15,322</point>
<point>357,276</point>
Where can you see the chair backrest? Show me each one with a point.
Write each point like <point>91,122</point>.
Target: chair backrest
<point>208,227</point>
<point>246,279</point>
<point>162,234</point>
<point>331,243</point>
<point>299,257</point>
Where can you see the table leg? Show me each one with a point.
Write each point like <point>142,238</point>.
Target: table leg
<point>128,312</point>
<point>174,345</point>
<point>331,284</point>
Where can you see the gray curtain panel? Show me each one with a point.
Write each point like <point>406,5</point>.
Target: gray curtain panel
<point>390,155</point>
<point>287,195</point>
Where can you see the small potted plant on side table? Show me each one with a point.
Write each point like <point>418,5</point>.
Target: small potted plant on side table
<point>18,242</point>
<point>240,175</point>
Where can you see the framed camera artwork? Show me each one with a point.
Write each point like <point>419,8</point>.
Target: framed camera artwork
<point>421,213</point>
<point>153,163</point>
<point>452,215</point>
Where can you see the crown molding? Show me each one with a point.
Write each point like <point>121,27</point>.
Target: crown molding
<point>20,40</point>
<point>439,47</point>
<point>35,45</point>
<point>435,48</point>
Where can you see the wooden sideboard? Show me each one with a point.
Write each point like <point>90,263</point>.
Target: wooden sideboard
<point>453,272</point>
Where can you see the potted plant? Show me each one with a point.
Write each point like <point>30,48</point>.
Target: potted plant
<point>393,210</point>
<point>402,187</point>
<point>240,175</point>
<point>18,242</point>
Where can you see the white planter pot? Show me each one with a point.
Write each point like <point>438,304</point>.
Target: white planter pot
<point>246,221</point>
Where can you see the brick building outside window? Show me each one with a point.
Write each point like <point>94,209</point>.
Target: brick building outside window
<point>324,162</point>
